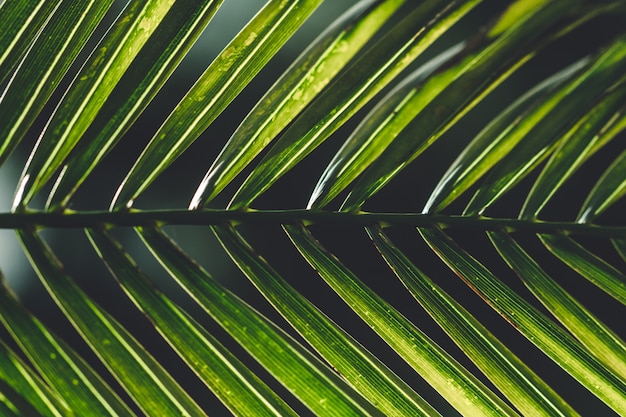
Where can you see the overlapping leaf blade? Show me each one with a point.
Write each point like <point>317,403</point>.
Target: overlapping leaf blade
<point>150,386</point>
<point>528,393</point>
<point>294,90</point>
<point>223,80</point>
<point>494,141</point>
<point>590,266</point>
<point>359,367</point>
<point>68,374</point>
<point>90,89</point>
<point>379,128</point>
<point>551,339</point>
<point>574,148</point>
<point>234,384</point>
<point>606,70</point>
<point>145,75</point>
<point>610,187</point>
<point>601,341</point>
<point>21,22</point>
<point>474,76</point>
<point>467,394</point>
<point>318,387</point>
<point>32,397</point>
<point>344,97</point>
<point>43,67</point>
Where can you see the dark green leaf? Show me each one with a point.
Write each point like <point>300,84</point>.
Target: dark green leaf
<point>234,384</point>
<point>68,374</point>
<point>475,76</point>
<point>367,374</point>
<point>150,386</point>
<point>316,385</point>
<point>557,344</point>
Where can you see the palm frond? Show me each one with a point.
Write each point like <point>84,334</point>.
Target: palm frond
<point>500,125</point>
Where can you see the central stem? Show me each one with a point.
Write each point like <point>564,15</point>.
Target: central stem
<point>134,218</point>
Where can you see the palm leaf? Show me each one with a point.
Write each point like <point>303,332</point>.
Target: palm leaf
<point>518,135</point>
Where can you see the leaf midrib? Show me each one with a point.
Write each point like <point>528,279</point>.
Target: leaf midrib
<point>135,218</point>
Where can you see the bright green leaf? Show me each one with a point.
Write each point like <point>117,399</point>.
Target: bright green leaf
<point>294,90</point>
<point>89,91</point>
<point>367,76</point>
<point>145,75</point>
<point>601,341</point>
<point>590,266</point>
<point>367,374</point>
<point>43,67</point>
<point>223,80</point>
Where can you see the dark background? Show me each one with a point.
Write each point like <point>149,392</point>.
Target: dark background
<point>407,193</point>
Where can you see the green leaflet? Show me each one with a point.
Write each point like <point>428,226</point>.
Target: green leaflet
<point>575,100</point>
<point>543,333</point>
<point>89,91</point>
<point>593,268</point>
<point>26,394</point>
<point>620,247</point>
<point>610,187</point>
<point>341,99</point>
<point>223,80</point>
<point>601,341</point>
<point>476,75</point>
<point>467,394</point>
<point>148,384</point>
<point>41,70</point>
<point>380,127</point>
<point>495,140</point>
<point>311,381</point>
<point>294,90</point>
<point>60,367</point>
<point>145,75</point>
<point>366,373</point>
<point>21,22</point>
<point>587,136</point>
<point>526,391</point>
<point>234,384</point>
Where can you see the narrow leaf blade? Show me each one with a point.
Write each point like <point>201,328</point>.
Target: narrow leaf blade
<point>526,391</point>
<point>223,80</point>
<point>475,77</point>
<point>610,187</point>
<point>366,373</point>
<point>64,371</point>
<point>557,344</point>
<point>379,128</point>
<point>89,91</point>
<point>150,386</point>
<point>573,102</point>
<point>460,388</point>
<point>21,22</point>
<point>136,88</point>
<point>601,341</point>
<point>593,268</point>
<point>311,381</point>
<point>294,90</point>
<point>43,67</point>
<point>234,384</point>
<point>346,95</point>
